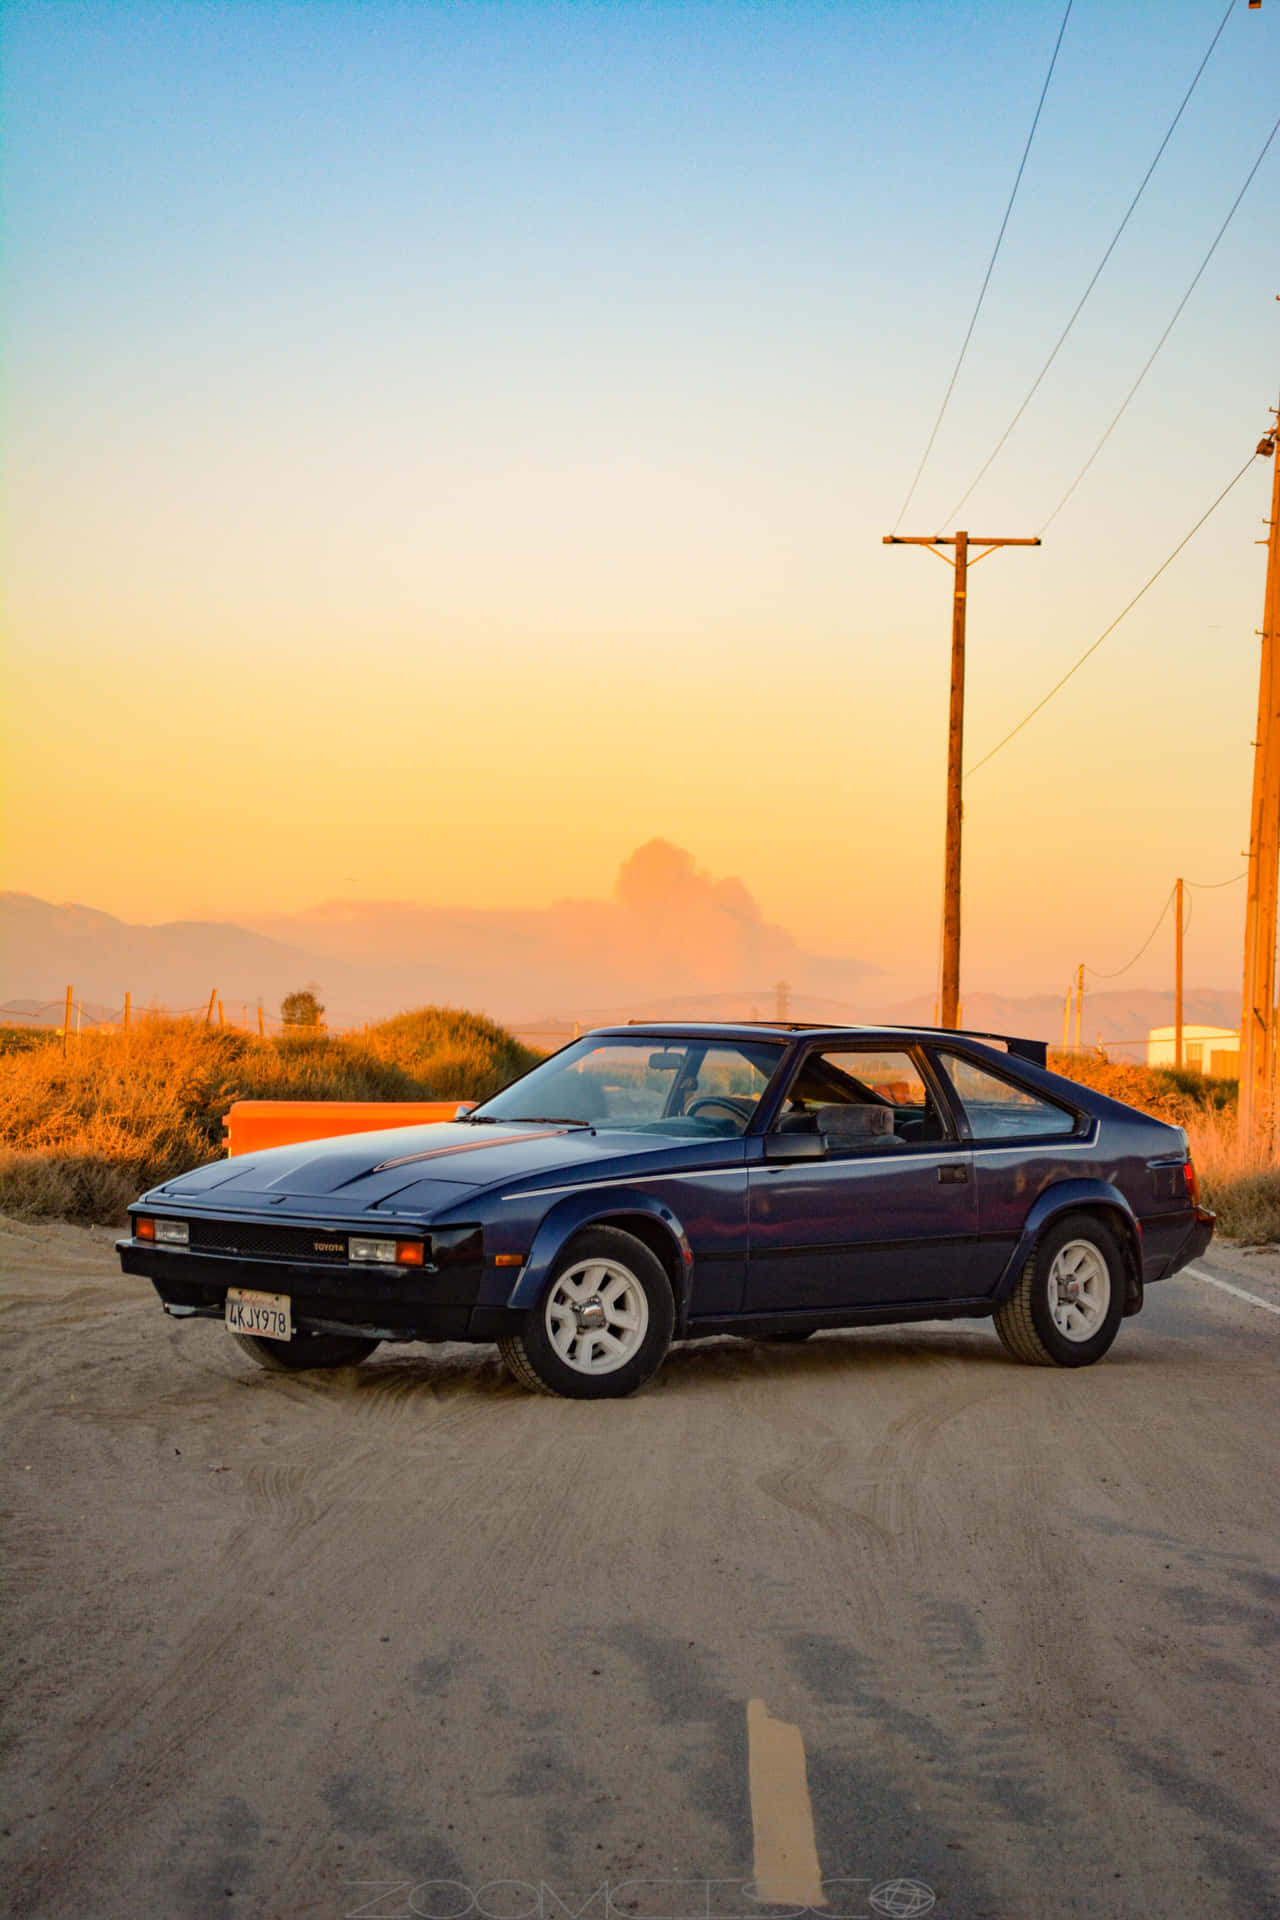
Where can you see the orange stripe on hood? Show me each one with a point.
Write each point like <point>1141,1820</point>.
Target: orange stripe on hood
<point>467,1146</point>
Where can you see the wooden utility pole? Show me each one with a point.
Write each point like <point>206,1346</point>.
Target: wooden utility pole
<point>955,741</point>
<point>128,1002</point>
<point>213,999</point>
<point>1066,1021</point>
<point>1079,1002</point>
<point>1177,977</point>
<point>66,1022</point>
<point>1257,1025</point>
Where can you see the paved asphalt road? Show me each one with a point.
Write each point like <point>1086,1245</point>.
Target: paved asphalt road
<point>800,1622</point>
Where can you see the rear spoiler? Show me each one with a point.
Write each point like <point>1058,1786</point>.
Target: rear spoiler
<point>1036,1051</point>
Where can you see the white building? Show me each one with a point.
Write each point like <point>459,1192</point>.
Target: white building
<point>1214,1050</point>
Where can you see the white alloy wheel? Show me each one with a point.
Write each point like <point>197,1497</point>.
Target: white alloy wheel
<point>597,1315</point>
<point>1079,1289</point>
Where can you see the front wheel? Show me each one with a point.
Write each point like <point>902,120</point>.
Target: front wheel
<point>603,1325</point>
<point>306,1350</point>
<point>1066,1307</point>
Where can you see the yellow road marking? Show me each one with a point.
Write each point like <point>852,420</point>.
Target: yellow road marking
<point>786,1848</point>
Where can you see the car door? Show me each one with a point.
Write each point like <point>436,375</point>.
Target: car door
<point>875,1221</point>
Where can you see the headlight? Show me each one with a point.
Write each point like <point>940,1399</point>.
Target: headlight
<point>172,1232</point>
<point>382,1251</point>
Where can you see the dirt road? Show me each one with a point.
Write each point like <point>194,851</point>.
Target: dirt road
<point>368,1643</point>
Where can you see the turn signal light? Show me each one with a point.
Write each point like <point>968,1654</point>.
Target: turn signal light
<point>409,1253</point>
<point>144,1229</point>
<point>1192,1179</point>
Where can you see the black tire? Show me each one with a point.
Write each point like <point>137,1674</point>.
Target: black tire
<point>306,1350</point>
<point>528,1351</point>
<point>1025,1321</point>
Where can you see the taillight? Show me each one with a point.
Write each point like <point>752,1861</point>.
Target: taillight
<point>1192,1179</point>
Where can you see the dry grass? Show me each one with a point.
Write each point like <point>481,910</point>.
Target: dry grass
<point>80,1137</point>
<point>1240,1182</point>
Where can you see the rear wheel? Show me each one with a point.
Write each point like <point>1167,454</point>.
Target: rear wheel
<point>603,1324</point>
<point>306,1350</point>
<point>1066,1307</point>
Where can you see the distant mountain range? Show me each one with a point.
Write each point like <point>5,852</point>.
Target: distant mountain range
<point>672,944</point>
<point>670,930</point>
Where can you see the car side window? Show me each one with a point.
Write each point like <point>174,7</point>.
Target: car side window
<point>846,1077</point>
<point>1001,1110</point>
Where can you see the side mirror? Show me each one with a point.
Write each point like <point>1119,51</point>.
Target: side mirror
<point>794,1146</point>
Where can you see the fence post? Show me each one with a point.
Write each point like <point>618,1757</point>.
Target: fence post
<point>127,1002</point>
<point>66,1023</point>
<point>208,1018</point>
<point>261,1028</point>
<point>222,1018</point>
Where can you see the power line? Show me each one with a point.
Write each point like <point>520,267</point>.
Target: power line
<point>1168,330</point>
<point>1097,273</point>
<point>986,281</point>
<point>1107,631</point>
<point>1208,886</point>
<point>1141,950</point>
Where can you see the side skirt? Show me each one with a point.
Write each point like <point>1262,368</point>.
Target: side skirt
<point>756,1323</point>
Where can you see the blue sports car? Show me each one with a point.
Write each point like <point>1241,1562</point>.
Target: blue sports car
<point>656,1183</point>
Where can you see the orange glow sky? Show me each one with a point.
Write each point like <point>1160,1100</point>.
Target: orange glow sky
<point>449,449</point>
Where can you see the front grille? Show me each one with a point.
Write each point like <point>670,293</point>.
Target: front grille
<point>313,1244</point>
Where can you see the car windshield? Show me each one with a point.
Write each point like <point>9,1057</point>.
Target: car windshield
<point>646,1084</point>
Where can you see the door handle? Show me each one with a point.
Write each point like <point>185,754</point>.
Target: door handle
<point>953,1173</point>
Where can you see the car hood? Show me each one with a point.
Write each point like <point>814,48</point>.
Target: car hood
<point>432,1169</point>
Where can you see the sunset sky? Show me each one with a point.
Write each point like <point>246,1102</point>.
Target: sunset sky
<point>449,446</point>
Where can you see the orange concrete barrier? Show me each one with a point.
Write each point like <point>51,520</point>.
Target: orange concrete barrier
<point>251,1125</point>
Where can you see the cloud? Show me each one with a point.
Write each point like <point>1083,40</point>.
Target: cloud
<point>671,931</point>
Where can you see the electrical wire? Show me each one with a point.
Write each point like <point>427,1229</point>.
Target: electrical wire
<point>1208,886</point>
<point>1096,276</point>
<point>1177,312</point>
<point>1107,631</point>
<point>986,279</point>
<point>1141,950</point>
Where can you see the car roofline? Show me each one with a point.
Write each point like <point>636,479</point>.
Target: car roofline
<point>1035,1052</point>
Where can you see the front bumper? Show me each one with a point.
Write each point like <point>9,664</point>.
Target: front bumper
<point>380,1303</point>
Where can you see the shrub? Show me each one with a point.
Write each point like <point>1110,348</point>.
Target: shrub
<point>81,1135</point>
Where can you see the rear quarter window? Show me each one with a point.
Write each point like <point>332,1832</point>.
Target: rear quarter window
<point>999,1109</point>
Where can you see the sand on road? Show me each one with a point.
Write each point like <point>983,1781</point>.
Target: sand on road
<point>372,1641</point>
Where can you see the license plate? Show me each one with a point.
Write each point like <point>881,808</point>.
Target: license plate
<point>263,1314</point>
